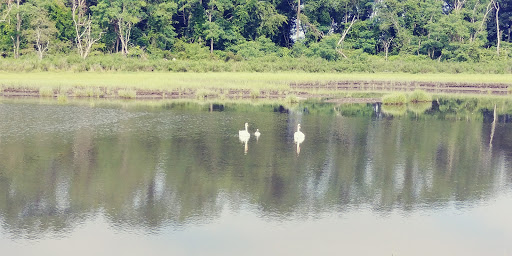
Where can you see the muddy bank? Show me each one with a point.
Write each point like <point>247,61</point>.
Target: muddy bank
<point>353,100</point>
<point>386,86</point>
<point>136,93</point>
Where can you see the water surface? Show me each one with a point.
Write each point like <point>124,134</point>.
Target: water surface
<point>175,180</point>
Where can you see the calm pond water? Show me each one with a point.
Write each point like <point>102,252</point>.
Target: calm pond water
<point>175,179</point>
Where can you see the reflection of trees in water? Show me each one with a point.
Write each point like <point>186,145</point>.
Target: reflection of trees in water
<point>150,174</point>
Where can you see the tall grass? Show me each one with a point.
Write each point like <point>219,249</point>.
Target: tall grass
<point>395,98</point>
<point>46,92</point>
<point>127,93</point>
<point>416,96</point>
<point>90,92</point>
<point>171,80</point>
<point>419,96</point>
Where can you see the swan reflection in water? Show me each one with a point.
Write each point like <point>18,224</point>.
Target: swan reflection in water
<point>244,136</point>
<point>298,137</point>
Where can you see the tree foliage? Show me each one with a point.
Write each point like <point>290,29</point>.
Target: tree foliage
<point>444,30</point>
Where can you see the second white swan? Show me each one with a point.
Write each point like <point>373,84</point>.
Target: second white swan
<point>298,136</point>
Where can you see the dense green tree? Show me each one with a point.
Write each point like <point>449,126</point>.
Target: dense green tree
<point>42,32</point>
<point>61,14</point>
<point>257,18</point>
<point>330,16</point>
<point>122,15</point>
<point>160,31</point>
<point>364,36</point>
<point>191,19</point>
<point>215,27</point>
<point>13,14</point>
<point>86,32</point>
<point>454,30</point>
<point>503,24</point>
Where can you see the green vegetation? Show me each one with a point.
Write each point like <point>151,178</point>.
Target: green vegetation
<point>419,96</point>
<point>395,98</point>
<point>413,36</point>
<point>127,93</point>
<point>289,86</point>
<point>62,98</point>
<point>255,93</point>
<point>398,98</point>
<point>277,81</point>
<point>87,92</point>
<point>416,109</point>
<point>264,64</point>
<point>292,99</point>
<point>46,92</point>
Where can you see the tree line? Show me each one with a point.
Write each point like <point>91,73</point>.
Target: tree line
<point>457,30</point>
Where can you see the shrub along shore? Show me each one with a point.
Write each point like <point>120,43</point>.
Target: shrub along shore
<point>266,64</point>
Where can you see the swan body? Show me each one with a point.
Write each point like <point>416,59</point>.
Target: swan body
<point>298,136</point>
<point>257,133</point>
<point>244,134</point>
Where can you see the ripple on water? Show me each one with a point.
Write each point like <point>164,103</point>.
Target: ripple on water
<point>28,120</point>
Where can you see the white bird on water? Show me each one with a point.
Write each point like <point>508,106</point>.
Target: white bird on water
<point>244,136</point>
<point>298,136</point>
<point>257,133</point>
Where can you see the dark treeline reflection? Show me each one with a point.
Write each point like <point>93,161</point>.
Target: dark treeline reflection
<point>146,168</point>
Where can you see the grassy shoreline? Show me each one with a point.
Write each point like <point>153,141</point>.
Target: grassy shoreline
<point>230,84</point>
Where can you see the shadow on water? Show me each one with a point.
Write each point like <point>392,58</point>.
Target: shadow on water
<point>180,163</point>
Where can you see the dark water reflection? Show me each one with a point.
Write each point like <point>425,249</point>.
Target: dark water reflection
<point>176,180</point>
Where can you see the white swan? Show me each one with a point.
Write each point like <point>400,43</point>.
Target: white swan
<point>257,133</point>
<point>298,136</point>
<point>244,134</point>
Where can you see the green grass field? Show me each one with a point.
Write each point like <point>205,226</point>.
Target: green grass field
<point>168,81</point>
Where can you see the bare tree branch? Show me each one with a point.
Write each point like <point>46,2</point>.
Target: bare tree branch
<point>9,8</point>
<point>459,4</point>
<point>498,34</point>
<point>83,25</point>
<point>387,43</point>
<point>340,42</point>
<point>480,28</point>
